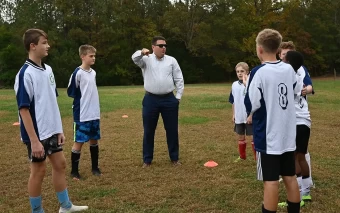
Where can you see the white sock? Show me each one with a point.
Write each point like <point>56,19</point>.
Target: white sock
<point>299,180</point>
<point>306,183</point>
<point>307,156</point>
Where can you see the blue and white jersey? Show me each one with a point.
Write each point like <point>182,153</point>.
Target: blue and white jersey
<point>237,94</point>
<point>270,97</point>
<point>83,88</point>
<point>35,89</point>
<point>301,104</point>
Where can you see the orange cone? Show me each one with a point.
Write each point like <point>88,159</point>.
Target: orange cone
<point>16,124</point>
<point>125,116</point>
<point>210,164</point>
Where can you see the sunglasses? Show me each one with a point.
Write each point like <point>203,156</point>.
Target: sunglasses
<point>162,45</point>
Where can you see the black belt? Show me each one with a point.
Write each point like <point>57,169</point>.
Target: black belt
<point>158,95</point>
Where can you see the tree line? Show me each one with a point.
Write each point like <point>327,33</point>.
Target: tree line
<point>207,37</point>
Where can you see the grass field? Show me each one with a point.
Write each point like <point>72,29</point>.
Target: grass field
<point>206,133</point>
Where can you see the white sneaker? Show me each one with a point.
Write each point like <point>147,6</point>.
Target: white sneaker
<point>73,209</point>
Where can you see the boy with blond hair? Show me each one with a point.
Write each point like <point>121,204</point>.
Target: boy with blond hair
<point>270,99</point>
<point>242,122</point>
<point>86,110</point>
<point>40,122</point>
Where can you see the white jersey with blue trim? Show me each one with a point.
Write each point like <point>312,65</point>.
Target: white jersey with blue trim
<point>83,88</point>
<point>35,89</point>
<point>237,94</point>
<point>301,104</point>
<point>270,97</point>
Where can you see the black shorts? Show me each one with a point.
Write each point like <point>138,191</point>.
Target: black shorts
<point>302,138</point>
<point>243,129</point>
<point>50,146</point>
<point>270,167</point>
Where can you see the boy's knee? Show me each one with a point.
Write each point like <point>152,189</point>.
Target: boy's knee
<point>38,170</point>
<point>60,166</point>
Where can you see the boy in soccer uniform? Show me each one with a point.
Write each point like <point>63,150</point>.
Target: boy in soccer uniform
<point>270,99</point>
<point>303,124</point>
<point>242,122</point>
<point>40,122</point>
<point>86,110</point>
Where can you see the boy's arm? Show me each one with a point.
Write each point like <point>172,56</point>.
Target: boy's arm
<point>137,58</point>
<point>72,85</point>
<point>36,146</point>
<point>255,93</point>
<point>24,95</point>
<point>231,100</point>
<point>178,79</point>
<point>308,85</point>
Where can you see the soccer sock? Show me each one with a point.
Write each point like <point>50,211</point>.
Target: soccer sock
<point>306,183</point>
<point>253,147</point>
<point>94,149</point>
<point>64,200</point>
<point>75,157</point>
<point>242,148</point>
<point>36,204</point>
<point>299,180</point>
<point>293,207</point>
<point>266,211</point>
<point>307,156</point>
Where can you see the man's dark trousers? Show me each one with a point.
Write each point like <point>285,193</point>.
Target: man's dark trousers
<point>166,105</point>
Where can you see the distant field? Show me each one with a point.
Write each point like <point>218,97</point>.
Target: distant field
<point>206,133</point>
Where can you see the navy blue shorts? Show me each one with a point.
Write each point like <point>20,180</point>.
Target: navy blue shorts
<point>85,131</point>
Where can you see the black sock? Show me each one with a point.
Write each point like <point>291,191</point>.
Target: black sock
<point>304,177</point>
<point>266,211</point>
<point>94,149</point>
<point>293,207</point>
<point>75,157</point>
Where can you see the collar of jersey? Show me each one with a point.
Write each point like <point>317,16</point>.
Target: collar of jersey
<point>30,62</point>
<point>272,62</point>
<point>88,71</point>
<point>162,59</point>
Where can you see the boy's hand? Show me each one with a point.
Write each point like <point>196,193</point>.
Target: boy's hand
<point>244,80</point>
<point>250,119</point>
<point>304,91</point>
<point>61,139</point>
<point>37,148</point>
<point>145,52</point>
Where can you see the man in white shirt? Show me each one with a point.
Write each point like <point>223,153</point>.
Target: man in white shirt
<point>162,75</point>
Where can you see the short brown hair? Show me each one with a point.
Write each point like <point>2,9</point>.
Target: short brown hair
<point>32,36</point>
<point>287,45</point>
<point>85,49</point>
<point>269,40</point>
<point>244,65</point>
<point>156,38</point>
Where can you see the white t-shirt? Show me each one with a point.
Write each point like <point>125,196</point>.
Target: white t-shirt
<point>270,97</point>
<point>83,88</point>
<point>35,89</point>
<point>301,104</point>
<point>237,94</point>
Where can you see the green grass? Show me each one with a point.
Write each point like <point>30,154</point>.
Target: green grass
<point>206,133</point>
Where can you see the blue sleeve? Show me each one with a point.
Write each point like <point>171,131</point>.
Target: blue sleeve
<point>247,102</point>
<point>24,90</point>
<point>231,98</point>
<point>72,86</point>
<point>307,80</point>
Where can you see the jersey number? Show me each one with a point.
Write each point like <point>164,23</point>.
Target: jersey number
<point>283,100</point>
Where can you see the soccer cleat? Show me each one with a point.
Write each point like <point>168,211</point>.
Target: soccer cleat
<point>238,159</point>
<point>285,204</point>
<point>96,172</point>
<point>73,209</point>
<point>306,197</point>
